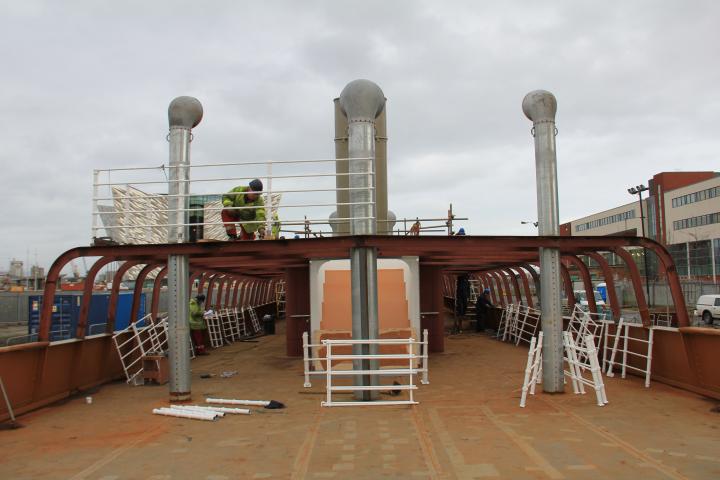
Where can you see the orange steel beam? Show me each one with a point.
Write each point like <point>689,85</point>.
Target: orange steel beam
<point>494,292</point>
<point>236,293</point>
<point>567,282</point>
<point>530,268</point>
<point>115,293</point>
<point>87,294</point>
<point>500,289</point>
<point>637,284</point>
<point>137,291</point>
<point>609,282</point>
<point>673,281</point>
<point>211,286</point>
<point>515,283</point>
<point>526,286</point>
<point>276,256</point>
<point>587,281</point>
<point>157,288</point>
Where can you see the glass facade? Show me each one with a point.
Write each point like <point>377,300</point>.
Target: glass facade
<point>700,258</point>
<point>679,255</point>
<point>651,218</point>
<point>197,214</point>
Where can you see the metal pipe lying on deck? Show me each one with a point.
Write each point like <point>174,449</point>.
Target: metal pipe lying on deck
<point>193,415</point>
<point>223,410</point>
<point>230,401</point>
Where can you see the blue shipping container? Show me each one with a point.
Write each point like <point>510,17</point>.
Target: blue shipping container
<point>66,313</point>
<point>99,310</point>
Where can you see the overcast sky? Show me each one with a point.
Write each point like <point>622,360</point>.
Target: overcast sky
<point>86,85</point>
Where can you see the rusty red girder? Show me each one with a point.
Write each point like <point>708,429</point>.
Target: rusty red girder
<point>526,286</point>
<point>157,287</point>
<point>609,282</point>
<point>137,291</point>
<point>516,285</point>
<point>567,282</point>
<point>587,282</point>
<point>637,284</point>
<point>269,259</point>
<point>87,294</point>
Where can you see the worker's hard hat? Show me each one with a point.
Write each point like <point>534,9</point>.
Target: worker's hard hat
<point>256,185</point>
<point>487,290</point>
<point>461,231</point>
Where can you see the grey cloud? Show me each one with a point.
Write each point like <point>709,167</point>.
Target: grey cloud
<point>86,85</point>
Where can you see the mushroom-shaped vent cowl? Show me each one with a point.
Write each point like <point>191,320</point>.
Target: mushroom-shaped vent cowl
<point>540,105</point>
<point>362,100</point>
<point>333,221</point>
<point>392,220</point>
<point>185,112</point>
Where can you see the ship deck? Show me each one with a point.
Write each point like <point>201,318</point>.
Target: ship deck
<point>468,425</point>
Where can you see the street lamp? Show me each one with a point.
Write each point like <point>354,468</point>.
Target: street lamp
<point>637,190</point>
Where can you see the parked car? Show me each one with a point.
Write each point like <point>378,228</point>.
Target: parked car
<point>581,298</point>
<point>708,307</point>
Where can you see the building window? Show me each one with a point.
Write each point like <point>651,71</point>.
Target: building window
<point>700,258</point>
<point>706,194</point>
<point>619,217</point>
<point>698,221</point>
<point>678,252</point>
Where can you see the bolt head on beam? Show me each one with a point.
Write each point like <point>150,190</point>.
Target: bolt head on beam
<point>362,101</point>
<point>185,112</point>
<point>540,105</point>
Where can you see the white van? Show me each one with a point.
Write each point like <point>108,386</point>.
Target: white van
<point>708,307</point>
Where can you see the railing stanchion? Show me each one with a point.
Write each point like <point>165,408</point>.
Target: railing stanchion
<point>306,360</point>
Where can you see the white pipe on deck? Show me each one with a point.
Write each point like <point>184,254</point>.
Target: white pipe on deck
<point>171,412</point>
<point>230,401</point>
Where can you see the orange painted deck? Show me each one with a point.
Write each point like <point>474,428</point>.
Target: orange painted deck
<point>468,425</point>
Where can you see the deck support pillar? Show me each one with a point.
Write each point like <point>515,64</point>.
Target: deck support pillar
<point>540,106</point>
<point>362,101</point>
<point>184,113</point>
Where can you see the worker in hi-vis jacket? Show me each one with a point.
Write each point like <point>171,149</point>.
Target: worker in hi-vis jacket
<point>197,324</point>
<point>246,206</point>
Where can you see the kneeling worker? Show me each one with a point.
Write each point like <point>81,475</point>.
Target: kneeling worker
<point>244,204</point>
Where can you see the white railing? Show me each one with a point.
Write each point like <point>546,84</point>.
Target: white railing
<point>518,323</point>
<point>581,356</point>
<point>131,204</point>
<point>582,323</point>
<point>661,319</point>
<point>214,328</point>
<point>378,372</point>
<point>254,322</point>
<point>309,360</point>
<point>623,332</point>
<point>141,338</point>
<point>533,368</point>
